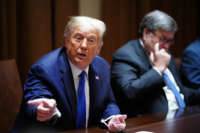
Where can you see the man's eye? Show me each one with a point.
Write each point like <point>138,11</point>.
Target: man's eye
<point>91,40</point>
<point>78,38</point>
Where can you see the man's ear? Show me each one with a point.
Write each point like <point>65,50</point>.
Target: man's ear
<point>146,34</point>
<point>66,41</point>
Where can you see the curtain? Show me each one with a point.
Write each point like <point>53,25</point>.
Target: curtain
<point>31,28</point>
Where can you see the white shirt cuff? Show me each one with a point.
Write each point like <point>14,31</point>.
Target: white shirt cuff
<point>106,121</point>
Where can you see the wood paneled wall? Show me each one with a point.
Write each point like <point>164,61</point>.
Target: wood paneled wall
<point>123,18</point>
<point>31,28</point>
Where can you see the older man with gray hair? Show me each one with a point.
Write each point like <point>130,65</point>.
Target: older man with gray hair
<point>144,76</point>
<point>69,88</point>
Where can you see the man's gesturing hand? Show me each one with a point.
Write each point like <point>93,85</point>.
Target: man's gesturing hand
<point>45,108</point>
<point>160,58</point>
<point>117,123</point>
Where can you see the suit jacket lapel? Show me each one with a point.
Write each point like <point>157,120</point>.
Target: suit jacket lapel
<point>142,54</point>
<point>174,70</point>
<point>67,79</point>
<point>93,84</point>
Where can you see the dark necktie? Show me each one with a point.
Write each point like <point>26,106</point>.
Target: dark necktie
<point>171,85</point>
<point>81,103</point>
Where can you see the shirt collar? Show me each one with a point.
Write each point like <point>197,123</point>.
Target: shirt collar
<point>141,42</point>
<point>76,71</point>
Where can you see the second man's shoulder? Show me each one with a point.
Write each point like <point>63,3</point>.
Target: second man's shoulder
<point>126,49</point>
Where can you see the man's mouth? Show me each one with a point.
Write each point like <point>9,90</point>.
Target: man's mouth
<point>82,55</point>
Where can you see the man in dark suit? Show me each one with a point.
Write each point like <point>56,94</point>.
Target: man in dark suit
<point>190,61</point>
<point>139,66</point>
<point>57,98</point>
<point>190,65</point>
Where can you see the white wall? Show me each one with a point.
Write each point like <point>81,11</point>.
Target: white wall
<point>90,8</point>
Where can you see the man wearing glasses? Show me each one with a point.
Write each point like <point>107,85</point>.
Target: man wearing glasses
<point>144,75</point>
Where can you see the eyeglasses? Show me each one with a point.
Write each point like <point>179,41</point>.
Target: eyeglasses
<point>163,39</point>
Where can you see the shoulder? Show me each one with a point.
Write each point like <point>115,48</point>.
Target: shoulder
<point>194,47</point>
<point>128,50</point>
<point>127,46</point>
<point>99,62</point>
<point>51,59</point>
<point>51,56</point>
<point>100,67</point>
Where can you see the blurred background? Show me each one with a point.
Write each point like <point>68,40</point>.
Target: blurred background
<point>32,28</point>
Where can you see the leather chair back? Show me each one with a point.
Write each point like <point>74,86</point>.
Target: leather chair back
<point>10,94</point>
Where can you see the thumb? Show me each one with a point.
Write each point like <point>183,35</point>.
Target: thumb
<point>152,56</point>
<point>50,103</point>
<point>123,117</point>
<point>156,47</point>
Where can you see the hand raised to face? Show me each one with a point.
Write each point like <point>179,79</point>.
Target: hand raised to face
<point>160,58</point>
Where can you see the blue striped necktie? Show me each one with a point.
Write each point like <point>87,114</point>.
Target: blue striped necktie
<point>81,103</point>
<point>171,85</point>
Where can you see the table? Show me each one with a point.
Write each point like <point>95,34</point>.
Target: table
<point>188,121</point>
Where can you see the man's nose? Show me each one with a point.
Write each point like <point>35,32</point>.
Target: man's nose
<point>84,44</point>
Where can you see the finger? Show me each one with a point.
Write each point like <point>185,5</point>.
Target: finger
<point>156,47</point>
<point>50,103</point>
<point>122,117</point>
<point>39,114</point>
<point>116,127</point>
<point>42,109</point>
<point>44,116</point>
<point>119,118</point>
<point>120,127</point>
<point>111,127</point>
<point>36,102</point>
<point>43,113</point>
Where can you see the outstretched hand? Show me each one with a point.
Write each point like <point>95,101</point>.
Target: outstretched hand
<point>117,123</point>
<point>45,108</point>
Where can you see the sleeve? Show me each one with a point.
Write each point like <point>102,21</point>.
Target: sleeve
<point>191,96</point>
<point>111,106</point>
<point>131,81</point>
<point>36,86</point>
<point>190,69</point>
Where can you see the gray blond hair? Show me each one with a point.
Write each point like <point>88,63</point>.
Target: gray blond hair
<point>157,20</point>
<point>87,22</point>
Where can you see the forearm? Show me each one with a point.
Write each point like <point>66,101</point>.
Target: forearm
<point>141,86</point>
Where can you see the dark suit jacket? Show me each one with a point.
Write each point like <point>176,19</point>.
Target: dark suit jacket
<point>190,65</point>
<point>51,77</point>
<point>136,85</point>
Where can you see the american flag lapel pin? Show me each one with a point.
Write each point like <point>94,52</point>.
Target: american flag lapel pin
<point>97,77</point>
